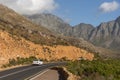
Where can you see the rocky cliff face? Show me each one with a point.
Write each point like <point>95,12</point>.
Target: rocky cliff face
<point>107,34</point>
<point>102,32</point>
<point>82,31</point>
<point>59,26</point>
<point>51,22</point>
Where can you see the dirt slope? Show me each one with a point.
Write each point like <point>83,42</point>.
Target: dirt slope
<point>12,47</point>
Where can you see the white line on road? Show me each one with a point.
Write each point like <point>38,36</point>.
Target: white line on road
<point>20,71</point>
<point>39,75</point>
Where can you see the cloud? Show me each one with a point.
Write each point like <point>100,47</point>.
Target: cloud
<point>30,6</point>
<point>109,6</point>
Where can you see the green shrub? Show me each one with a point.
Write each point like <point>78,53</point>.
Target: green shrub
<point>106,68</point>
<point>18,61</point>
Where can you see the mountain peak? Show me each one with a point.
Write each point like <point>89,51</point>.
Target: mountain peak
<point>118,19</point>
<point>44,16</point>
<point>2,6</point>
<point>86,25</point>
<point>50,21</point>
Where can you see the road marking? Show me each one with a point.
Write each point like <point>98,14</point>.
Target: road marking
<point>20,71</point>
<point>39,74</point>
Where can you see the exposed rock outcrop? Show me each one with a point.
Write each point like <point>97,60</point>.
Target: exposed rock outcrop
<point>13,47</point>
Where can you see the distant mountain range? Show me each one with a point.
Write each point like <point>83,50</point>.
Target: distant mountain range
<point>106,35</point>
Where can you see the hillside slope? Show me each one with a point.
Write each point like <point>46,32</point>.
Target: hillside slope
<point>13,47</point>
<point>18,25</point>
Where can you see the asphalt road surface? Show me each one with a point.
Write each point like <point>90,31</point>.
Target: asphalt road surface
<point>22,73</point>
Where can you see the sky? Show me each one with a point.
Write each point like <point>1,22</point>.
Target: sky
<point>72,11</point>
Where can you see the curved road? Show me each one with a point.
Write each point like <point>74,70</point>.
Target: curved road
<point>22,73</point>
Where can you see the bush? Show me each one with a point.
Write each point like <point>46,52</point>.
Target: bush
<point>106,68</point>
<point>18,61</point>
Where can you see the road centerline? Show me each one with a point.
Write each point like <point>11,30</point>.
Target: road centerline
<point>20,71</point>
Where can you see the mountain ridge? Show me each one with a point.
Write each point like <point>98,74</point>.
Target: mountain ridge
<point>105,35</point>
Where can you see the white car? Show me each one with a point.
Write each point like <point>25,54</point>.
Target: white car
<point>37,62</point>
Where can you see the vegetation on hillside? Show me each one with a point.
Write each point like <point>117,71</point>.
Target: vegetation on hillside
<point>19,61</point>
<point>96,69</point>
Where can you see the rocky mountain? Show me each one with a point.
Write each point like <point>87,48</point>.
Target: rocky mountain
<point>107,34</point>
<point>16,24</point>
<point>51,22</point>
<point>59,26</point>
<point>82,31</point>
<point>19,37</point>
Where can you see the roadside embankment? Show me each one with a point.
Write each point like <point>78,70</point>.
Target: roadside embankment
<point>65,75</point>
